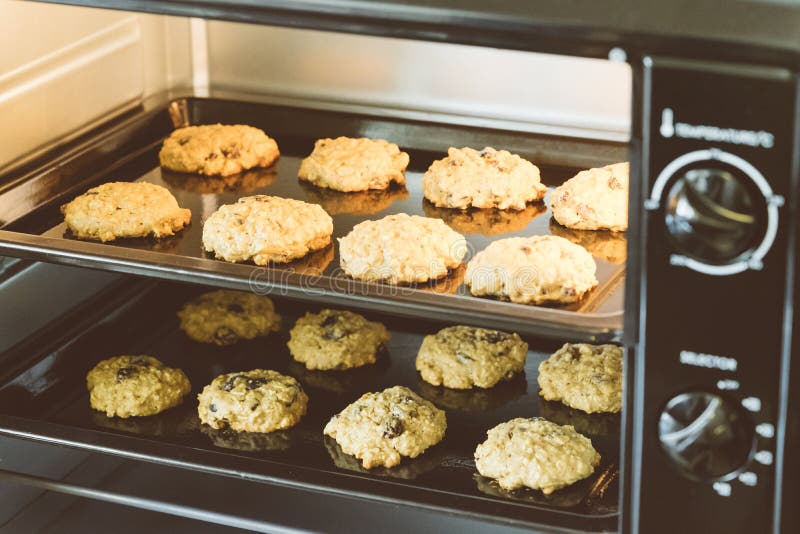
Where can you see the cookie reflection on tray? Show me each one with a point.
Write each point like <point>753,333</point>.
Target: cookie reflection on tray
<point>568,497</point>
<point>278,440</point>
<point>166,244</point>
<point>314,263</point>
<point>174,421</point>
<point>360,379</point>
<point>475,399</point>
<point>244,182</point>
<point>594,424</point>
<point>488,222</point>
<point>409,468</point>
<point>263,277</point>
<point>357,202</point>
<point>602,244</point>
<point>448,284</point>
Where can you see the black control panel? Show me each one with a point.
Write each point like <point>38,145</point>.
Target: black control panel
<point>717,147</point>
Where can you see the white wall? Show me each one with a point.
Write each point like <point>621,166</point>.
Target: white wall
<point>62,67</point>
<point>539,92</point>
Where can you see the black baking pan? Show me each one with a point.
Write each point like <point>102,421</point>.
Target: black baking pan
<point>32,225</point>
<point>44,397</point>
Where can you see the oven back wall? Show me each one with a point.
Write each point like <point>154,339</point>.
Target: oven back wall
<point>478,86</point>
<point>62,67</point>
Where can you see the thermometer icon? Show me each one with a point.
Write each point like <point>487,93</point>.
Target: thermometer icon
<point>667,128</point>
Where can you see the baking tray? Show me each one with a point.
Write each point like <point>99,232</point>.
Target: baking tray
<point>45,398</point>
<point>33,226</point>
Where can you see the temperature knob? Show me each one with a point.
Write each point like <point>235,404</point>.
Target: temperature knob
<point>720,212</point>
<point>706,436</point>
<point>712,216</point>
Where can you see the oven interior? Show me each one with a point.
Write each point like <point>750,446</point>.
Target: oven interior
<point>42,390</point>
<point>685,90</point>
<point>49,390</point>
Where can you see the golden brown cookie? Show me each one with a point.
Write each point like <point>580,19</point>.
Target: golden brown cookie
<point>401,248</point>
<point>336,339</point>
<point>585,377</point>
<point>125,209</point>
<point>224,317</point>
<point>487,178</point>
<point>125,386</point>
<point>266,229</point>
<point>380,428</point>
<point>595,199</point>
<point>536,454</point>
<point>354,164</point>
<point>252,401</point>
<point>462,357</point>
<point>532,270</point>
<point>217,149</point>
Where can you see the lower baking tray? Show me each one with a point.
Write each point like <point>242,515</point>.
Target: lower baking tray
<point>33,227</point>
<point>46,399</point>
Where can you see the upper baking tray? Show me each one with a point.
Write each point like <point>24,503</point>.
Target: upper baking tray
<point>128,151</point>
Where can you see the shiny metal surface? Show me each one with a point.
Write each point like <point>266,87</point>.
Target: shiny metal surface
<point>746,30</point>
<point>48,401</point>
<point>317,277</point>
<point>477,86</point>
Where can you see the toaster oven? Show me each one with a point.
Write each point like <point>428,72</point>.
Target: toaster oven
<point>699,291</point>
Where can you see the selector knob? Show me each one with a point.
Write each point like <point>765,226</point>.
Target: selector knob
<point>706,436</point>
<point>711,215</point>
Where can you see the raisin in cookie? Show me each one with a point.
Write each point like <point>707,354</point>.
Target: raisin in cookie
<point>461,357</point>
<point>532,270</point>
<point>217,149</point>
<point>595,199</point>
<point>585,377</point>
<point>354,164</point>
<point>536,454</point>
<point>125,386</point>
<point>380,428</point>
<point>266,229</point>
<point>487,178</point>
<point>125,209</point>
<point>252,401</point>
<point>223,317</point>
<point>401,248</point>
<point>336,339</point>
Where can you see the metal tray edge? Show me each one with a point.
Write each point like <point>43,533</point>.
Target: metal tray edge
<point>547,322</point>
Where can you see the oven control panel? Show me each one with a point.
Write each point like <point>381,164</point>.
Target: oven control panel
<point>717,146</point>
